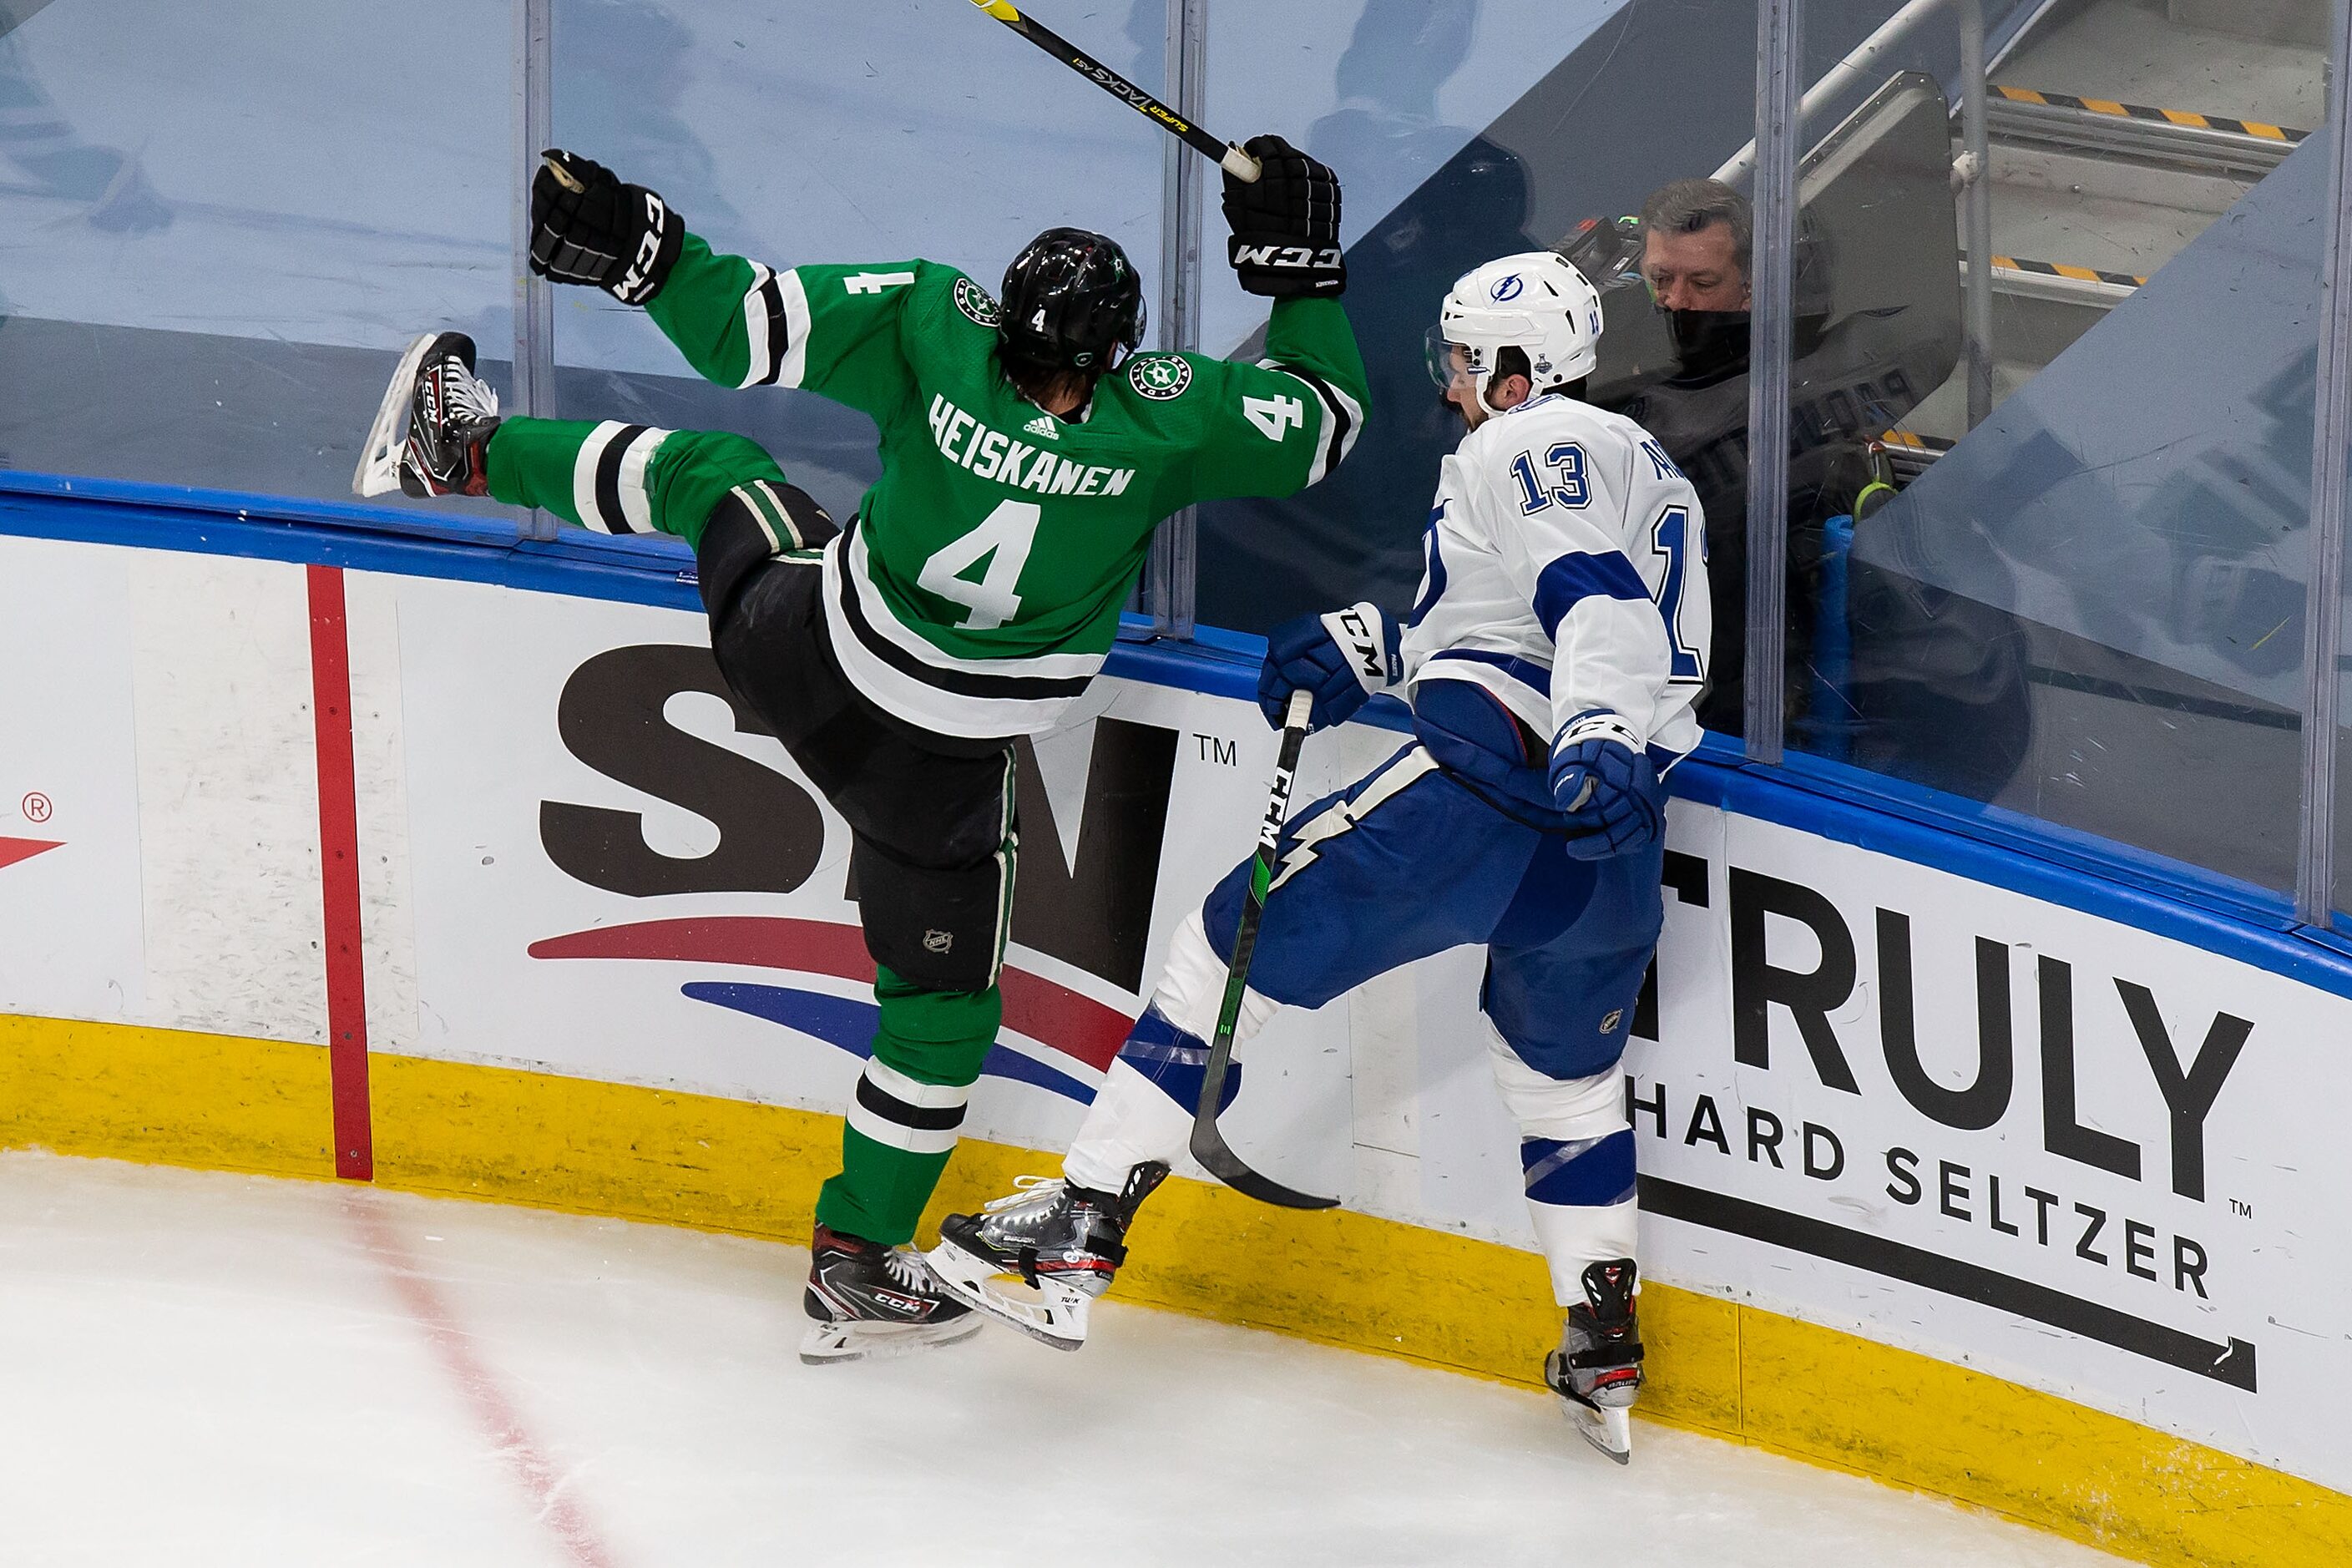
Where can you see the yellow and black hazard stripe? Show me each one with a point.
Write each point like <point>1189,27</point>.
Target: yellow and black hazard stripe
<point>2283,135</point>
<point>2065,269</point>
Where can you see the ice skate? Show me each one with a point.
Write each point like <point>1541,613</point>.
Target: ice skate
<point>866,1302</point>
<point>434,425</point>
<point>1064,1242</point>
<point>1597,1370</point>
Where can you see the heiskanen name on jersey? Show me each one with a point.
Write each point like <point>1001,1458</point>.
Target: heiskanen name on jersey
<point>979,587</point>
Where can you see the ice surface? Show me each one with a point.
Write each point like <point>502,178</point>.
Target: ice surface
<point>215,1369</point>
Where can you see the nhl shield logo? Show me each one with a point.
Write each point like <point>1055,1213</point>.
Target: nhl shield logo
<point>974,302</point>
<point>938,941</point>
<point>1159,376</point>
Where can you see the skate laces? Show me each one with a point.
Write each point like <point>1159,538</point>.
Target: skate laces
<point>470,397</point>
<point>906,1269</point>
<point>1026,1190</point>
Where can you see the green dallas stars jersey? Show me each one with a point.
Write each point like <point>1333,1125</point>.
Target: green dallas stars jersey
<point>979,587</point>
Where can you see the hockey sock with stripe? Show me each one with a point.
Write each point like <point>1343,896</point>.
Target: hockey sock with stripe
<point>1144,1110</point>
<point>1580,1198</point>
<point>623,478</point>
<point>908,1105</point>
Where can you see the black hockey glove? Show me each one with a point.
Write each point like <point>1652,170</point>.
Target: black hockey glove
<point>587,226</point>
<point>1286,238</point>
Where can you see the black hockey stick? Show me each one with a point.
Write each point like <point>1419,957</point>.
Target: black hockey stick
<point>1209,1145</point>
<point>1225,154</point>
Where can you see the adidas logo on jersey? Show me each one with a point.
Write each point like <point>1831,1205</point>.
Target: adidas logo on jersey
<point>1043,425</point>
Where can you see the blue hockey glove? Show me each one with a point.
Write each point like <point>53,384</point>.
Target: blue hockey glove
<point>1343,657</point>
<point>1606,784</point>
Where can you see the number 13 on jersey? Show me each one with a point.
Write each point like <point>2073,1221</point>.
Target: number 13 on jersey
<point>1671,536</point>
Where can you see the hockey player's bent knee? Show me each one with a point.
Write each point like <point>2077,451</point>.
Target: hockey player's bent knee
<point>1192,987</point>
<point>941,929</point>
<point>1563,1109</point>
<point>755,522</point>
<point>1169,1046</point>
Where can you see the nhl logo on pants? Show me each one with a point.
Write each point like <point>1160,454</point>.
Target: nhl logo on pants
<point>938,941</point>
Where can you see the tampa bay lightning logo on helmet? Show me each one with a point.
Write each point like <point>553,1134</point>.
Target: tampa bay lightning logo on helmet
<point>1508,288</point>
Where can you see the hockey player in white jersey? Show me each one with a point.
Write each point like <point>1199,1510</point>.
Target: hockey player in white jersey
<point>1551,660</point>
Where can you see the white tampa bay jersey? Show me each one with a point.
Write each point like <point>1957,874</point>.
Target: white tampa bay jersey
<point>1567,574</point>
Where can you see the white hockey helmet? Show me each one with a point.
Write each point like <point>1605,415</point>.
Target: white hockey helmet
<point>1535,302</point>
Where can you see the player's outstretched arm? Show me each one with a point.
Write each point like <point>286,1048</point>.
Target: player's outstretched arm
<point>831,330</point>
<point>1284,422</point>
<point>589,227</point>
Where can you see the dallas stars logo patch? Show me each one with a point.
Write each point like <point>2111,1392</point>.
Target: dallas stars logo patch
<point>1159,376</point>
<point>974,302</point>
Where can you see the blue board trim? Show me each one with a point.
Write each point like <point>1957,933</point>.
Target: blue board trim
<point>1984,844</point>
<point>656,571</point>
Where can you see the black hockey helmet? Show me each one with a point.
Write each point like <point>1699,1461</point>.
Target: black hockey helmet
<point>1071,302</point>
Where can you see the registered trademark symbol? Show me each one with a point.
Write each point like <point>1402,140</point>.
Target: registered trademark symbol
<point>36,807</point>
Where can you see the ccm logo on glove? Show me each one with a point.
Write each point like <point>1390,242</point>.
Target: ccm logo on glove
<point>1295,256</point>
<point>1360,631</point>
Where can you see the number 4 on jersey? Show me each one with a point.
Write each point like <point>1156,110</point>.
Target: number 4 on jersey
<point>1272,415</point>
<point>1005,536</point>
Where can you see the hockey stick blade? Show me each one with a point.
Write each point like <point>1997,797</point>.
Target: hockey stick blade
<point>1225,154</point>
<point>1209,1146</point>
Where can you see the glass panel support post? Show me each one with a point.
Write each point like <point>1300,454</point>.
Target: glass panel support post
<point>534,298</point>
<point>1778,23</point>
<point>2315,879</point>
<point>1169,574</point>
<point>1974,173</point>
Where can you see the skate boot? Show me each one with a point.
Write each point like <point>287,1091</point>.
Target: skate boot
<point>1064,1242</point>
<point>866,1302</point>
<point>1597,1371</point>
<point>432,430</point>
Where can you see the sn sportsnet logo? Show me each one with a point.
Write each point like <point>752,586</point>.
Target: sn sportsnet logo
<point>802,964</point>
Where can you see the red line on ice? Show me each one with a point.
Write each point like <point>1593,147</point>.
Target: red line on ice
<point>339,874</point>
<point>493,1411</point>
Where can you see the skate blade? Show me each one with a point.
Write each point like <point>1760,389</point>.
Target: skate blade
<point>1056,1315</point>
<point>379,468</point>
<point>1608,1428</point>
<point>830,1344</point>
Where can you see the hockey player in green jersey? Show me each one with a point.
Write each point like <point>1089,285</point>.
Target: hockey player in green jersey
<point>1027,452</point>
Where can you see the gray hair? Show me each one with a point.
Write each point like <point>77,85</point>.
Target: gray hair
<point>1688,207</point>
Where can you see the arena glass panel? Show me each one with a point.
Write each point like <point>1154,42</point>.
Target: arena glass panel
<point>840,133</point>
<point>219,224</point>
<point>2077,594</point>
<point>1460,130</point>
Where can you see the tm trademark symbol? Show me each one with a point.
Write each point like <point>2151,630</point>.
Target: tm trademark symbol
<point>1224,753</point>
<point>2242,1209</point>
<point>36,807</point>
